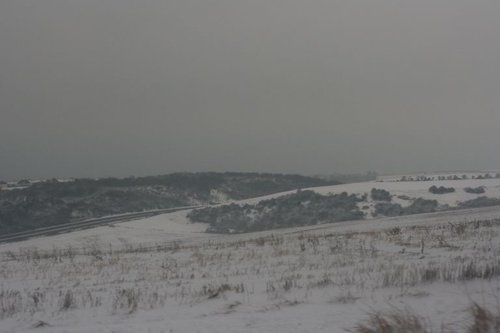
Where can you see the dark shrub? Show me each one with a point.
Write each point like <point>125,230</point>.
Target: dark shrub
<point>300,208</point>
<point>388,209</point>
<point>474,190</point>
<point>441,190</point>
<point>380,195</point>
<point>418,206</point>
<point>480,202</point>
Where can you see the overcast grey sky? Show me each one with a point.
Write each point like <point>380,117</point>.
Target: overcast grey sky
<point>121,87</point>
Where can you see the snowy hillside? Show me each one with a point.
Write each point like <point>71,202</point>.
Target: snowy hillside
<point>329,204</point>
<point>165,274</point>
<point>49,203</point>
<point>409,189</point>
<point>134,277</point>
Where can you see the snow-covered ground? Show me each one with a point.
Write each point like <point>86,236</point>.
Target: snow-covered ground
<point>164,274</point>
<point>403,191</point>
<point>312,279</point>
<point>161,228</point>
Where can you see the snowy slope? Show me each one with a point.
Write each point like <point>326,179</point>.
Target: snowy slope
<point>173,226</point>
<point>313,279</point>
<point>164,274</point>
<point>161,228</point>
<point>413,189</point>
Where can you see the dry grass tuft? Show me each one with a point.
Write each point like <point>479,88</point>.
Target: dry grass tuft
<point>399,321</point>
<point>404,321</point>
<point>484,321</point>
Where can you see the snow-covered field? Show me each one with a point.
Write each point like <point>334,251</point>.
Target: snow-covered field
<point>164,274</point>
<point>403,192</point>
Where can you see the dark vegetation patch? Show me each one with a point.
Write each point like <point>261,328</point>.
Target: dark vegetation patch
<point>51,203</point>
<point>441,190</point>
<point>418,206</point>
<point>480,202</point>
<point>298,209</point>
<point>475,190</point>
<point>380,195</point>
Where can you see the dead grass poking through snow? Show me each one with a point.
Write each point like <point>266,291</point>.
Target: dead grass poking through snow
<point>262,272</point>
<point>398,321</point>
<point>484,321</point>
<point>481,320</point>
